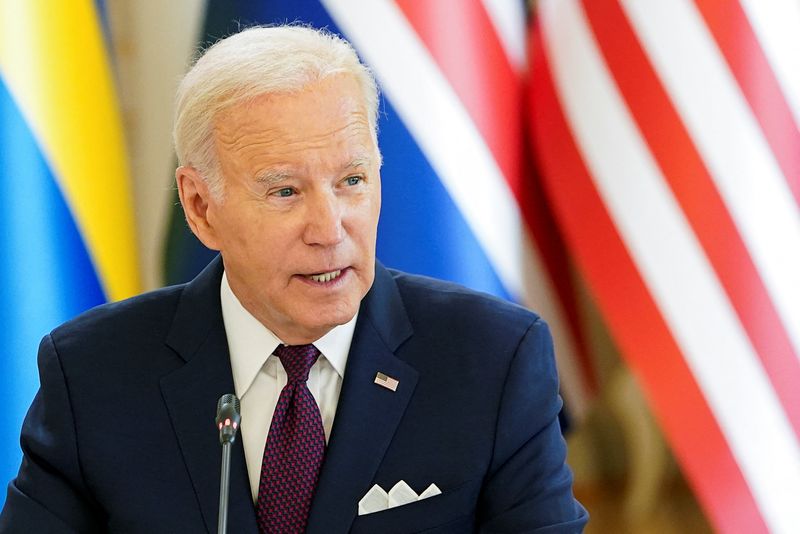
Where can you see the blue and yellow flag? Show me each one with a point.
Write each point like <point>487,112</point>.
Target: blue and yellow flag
<point>67,238</point>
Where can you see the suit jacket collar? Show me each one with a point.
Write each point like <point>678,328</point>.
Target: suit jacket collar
<point>366,417</point>
<point>191,392</point>
<point>199,312</point>
<point>367,414</point>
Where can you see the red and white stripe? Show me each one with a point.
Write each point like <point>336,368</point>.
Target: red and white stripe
<point>454,71</point>
<point>673,169</point>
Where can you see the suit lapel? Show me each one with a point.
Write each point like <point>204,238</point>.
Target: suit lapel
<point>366,417</point>
<point>367,414</point>
<point>191,393</point>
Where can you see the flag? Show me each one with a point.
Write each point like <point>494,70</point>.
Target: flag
<point>667,135</point>
<point>459,201</point>
<point>67,237</point>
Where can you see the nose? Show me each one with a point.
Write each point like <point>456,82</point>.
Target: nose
<point>324,221</point>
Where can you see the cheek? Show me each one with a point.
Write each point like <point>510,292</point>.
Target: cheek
<point>368,209</point>
<point>251,238</point>
<point>362,225</point>
<point>265,247</point>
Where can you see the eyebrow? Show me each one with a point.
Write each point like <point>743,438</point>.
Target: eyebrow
<point>358,161</point>
<point>270,177</point>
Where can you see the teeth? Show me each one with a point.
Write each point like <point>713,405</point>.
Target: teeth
<point>326,277</point>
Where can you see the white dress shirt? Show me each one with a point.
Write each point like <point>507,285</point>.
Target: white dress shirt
<point>259,377</point>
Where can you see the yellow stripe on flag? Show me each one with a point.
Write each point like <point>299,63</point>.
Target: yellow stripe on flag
<point>53,58</point>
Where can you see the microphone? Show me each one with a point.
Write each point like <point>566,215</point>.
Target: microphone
<point>228,419</point>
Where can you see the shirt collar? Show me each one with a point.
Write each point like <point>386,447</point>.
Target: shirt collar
<point>250,343</point>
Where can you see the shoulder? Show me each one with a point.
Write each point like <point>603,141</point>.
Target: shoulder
<point>469,330</point>
<point>130,324</point>
<point>428,299</point>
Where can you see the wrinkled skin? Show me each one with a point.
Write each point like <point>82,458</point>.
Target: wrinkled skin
<point>301,197</point>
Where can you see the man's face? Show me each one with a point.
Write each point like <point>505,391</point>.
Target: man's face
<point>298,222</point>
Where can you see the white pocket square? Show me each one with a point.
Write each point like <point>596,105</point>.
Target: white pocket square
<point>377,500</point>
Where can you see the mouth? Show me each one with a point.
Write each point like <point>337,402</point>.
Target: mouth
<point>326,277</point>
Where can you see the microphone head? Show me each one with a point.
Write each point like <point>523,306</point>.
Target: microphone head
<point>228,417</point>
<point>225,401</point>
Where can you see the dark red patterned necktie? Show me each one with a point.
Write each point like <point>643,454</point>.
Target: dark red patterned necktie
<point>294,451</point>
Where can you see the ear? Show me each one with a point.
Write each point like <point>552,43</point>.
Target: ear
<point>195,199</point>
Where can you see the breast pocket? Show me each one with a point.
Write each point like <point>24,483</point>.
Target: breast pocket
<point>440,510</point>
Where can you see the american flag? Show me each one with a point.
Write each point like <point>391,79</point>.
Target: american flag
<point>667,135</point>
<point>453,74</point>
<point>386,381</point>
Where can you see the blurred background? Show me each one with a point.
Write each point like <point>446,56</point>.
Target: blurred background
<point>630,170</point>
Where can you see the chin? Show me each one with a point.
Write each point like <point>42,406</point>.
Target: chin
<point>330,319</point>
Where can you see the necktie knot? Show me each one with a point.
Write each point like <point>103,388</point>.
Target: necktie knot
<point>297,360</point>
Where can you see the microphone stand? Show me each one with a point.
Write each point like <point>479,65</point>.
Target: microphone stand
<point>224,484</point>
<point>228,419</point>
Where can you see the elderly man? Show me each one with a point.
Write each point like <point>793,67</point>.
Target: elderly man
<point>372,401</point>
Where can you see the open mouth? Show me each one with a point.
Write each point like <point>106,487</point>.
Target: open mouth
<point>325,277</point>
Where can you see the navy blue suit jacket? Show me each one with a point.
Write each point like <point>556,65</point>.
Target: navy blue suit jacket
<point>120,436</point>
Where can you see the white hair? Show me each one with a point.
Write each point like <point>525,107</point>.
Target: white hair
<point>251,63</point>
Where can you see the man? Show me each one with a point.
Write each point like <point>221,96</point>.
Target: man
<point>354,380</point>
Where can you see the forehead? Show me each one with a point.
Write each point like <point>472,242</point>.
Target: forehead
<point>328,117</point>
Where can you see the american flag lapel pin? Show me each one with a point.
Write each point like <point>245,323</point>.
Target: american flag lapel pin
<point>386,381</point>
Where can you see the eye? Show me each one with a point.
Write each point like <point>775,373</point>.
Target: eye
<point>353,180</point>
<point>284,192</point>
